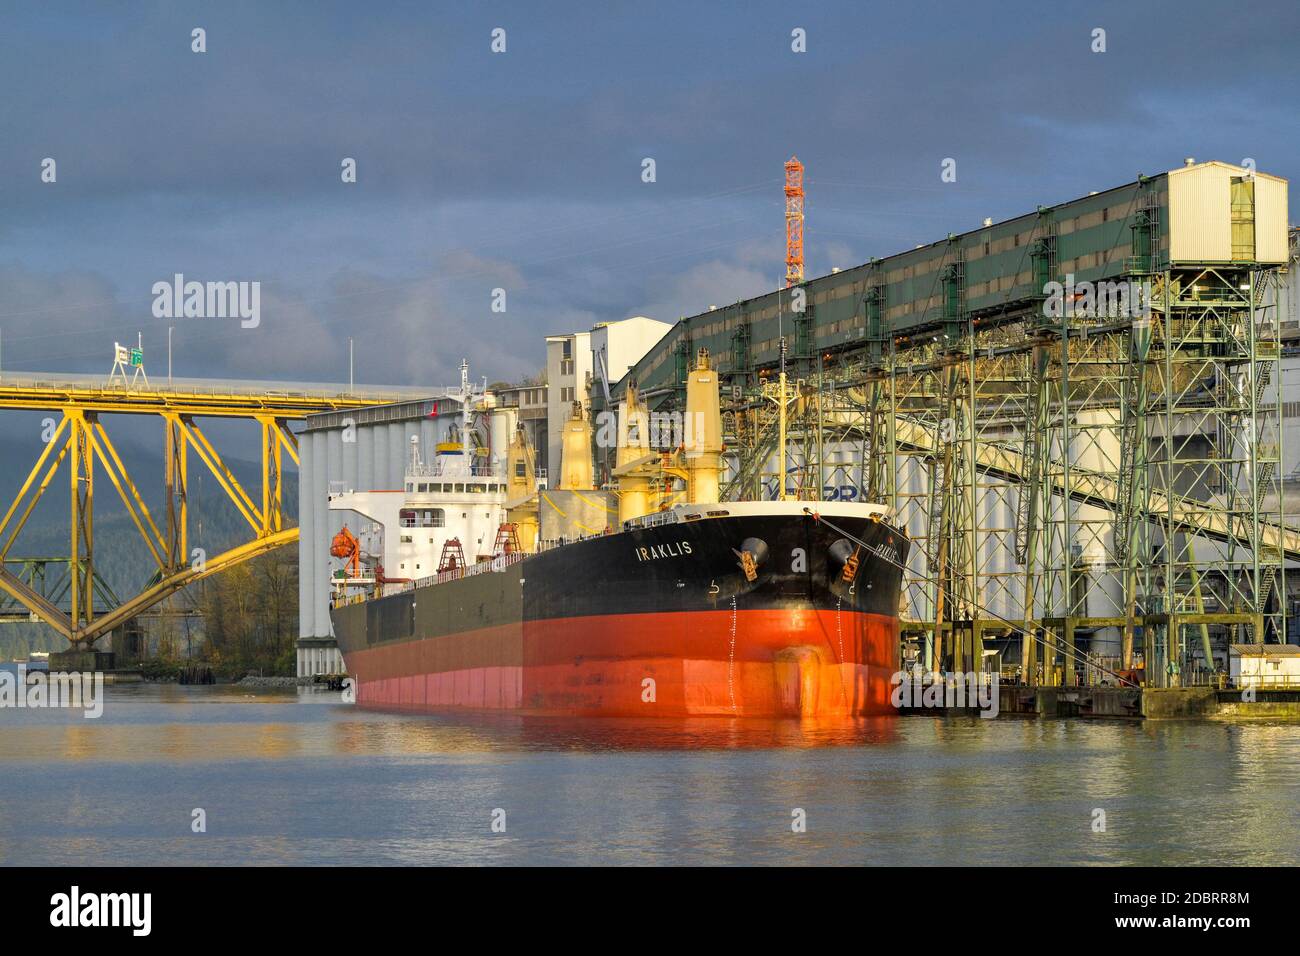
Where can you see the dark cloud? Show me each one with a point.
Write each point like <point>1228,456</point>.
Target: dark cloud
<point>522,170</point>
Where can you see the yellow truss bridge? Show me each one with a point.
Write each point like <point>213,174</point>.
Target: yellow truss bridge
<point>80,438</point>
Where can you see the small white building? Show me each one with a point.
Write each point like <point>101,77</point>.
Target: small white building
<point>617,346</point>
<point>580,362</point>
<point>1264,665</point>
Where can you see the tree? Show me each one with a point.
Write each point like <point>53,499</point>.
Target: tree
<point>250,613</point>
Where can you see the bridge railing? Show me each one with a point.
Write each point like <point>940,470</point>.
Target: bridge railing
<point>208,387</point>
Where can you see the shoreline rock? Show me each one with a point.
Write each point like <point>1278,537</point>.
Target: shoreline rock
<point>253,680</point>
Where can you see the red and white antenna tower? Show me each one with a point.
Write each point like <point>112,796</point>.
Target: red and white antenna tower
<point>793,222</point>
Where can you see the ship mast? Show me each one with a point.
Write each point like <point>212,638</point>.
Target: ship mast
<point>465,410</point>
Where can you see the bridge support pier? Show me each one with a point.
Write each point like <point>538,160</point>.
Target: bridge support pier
<point>319,655</point>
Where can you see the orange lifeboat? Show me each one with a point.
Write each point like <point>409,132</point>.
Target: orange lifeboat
<point>345,545</point>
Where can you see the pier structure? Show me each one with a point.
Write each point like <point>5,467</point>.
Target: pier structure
<point>1075,414</point>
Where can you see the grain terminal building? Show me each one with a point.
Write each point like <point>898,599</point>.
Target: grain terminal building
<point>1047,469</point>
<point>1205,213</point>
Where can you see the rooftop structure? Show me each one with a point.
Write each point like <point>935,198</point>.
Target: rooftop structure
<point>1210,212</point>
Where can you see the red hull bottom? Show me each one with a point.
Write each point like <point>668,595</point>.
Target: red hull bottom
<point>795,663</point>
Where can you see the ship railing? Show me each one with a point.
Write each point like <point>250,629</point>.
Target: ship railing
<point>436,469</point>
<point>652,520</point>
<point>498,563</point>
<point>546,544</point>
<point>439,469</point>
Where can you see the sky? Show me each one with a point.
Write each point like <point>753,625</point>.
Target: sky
<point>522,170</point>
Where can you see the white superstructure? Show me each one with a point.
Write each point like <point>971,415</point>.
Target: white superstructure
<point>449,509</point>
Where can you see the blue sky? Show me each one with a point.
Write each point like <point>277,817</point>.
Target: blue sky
<point>522,170</point>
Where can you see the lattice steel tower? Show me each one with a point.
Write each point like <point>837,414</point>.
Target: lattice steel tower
<point>793,222</point>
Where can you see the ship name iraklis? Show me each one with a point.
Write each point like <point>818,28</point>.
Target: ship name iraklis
<point>673,549</point>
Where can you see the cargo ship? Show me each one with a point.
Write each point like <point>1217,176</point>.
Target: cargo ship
<point>463,591</point>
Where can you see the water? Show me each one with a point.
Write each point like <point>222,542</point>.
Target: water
<point>290,777</point>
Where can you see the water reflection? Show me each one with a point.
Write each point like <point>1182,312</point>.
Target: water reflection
<point>471,733</point>
<point>301,778</point>
<point>695,734</point>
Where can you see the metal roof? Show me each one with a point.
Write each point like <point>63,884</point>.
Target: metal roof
<point>1091,238</point>
<point>1265,650</point>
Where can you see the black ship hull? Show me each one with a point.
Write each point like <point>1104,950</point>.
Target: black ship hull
<point>660,620</point>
